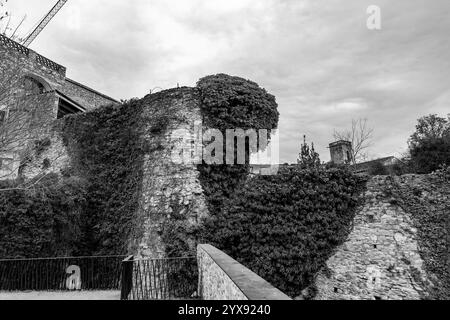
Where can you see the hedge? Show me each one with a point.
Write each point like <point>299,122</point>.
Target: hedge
<point>284,227</point>
<point>44,221</point>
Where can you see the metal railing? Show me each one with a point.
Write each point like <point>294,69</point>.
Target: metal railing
<point>11,44</point>
<point>159,279</point>
<point>61,274</point>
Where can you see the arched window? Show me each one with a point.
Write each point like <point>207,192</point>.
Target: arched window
<point>33,86</point>
<point>3,114</point>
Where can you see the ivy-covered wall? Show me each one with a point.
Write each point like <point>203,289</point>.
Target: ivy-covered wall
<point>106,148</point>
<point>399,247</point>
<point>171,202</point>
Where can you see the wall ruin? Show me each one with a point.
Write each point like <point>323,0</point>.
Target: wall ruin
<point>382,258</point>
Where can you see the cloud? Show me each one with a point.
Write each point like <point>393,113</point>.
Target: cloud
<point>320,61</point>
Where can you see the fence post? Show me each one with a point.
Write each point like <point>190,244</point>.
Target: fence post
<point>127,278</point>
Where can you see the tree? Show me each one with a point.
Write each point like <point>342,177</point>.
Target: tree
<point>308,157</point>
<point>430,128</point>
<point>360,135</point>
<point>429,146</point>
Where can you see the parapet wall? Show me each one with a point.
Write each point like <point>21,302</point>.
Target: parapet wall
<point>223,278</point>
<point>18,61</point>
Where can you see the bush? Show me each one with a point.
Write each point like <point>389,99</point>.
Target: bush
<point>231,102</point>
<point>43,222</point>
<point>430,155</point>
<point>285,227</point>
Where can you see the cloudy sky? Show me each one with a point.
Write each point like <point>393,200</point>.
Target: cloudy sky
<point>317,57</point>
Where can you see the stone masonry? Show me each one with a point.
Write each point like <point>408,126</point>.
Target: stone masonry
<point>380,260</point>
<point>170,190</point>
<point>19,64</point>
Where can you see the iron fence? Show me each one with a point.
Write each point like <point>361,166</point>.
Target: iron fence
<point>159,279</point>
<point>61,274</point>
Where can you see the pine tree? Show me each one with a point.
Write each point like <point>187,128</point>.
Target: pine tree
<point>308,157</point>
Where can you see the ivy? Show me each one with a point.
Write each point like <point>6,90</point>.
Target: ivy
<point>44,221</point>
<point>229,102</point>
<point>431,217</point>
<point>106,148</point>
<point>284,227</point>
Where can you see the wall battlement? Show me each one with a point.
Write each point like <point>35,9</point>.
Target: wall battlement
<point>13,45</point>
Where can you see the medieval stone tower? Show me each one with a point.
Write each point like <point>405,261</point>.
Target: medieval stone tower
<point>341,152</point>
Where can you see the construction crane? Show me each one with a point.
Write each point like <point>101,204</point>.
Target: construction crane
<point>43,23</point>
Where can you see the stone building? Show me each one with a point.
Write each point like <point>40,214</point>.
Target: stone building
<point>34,91</point>
<point>342,153</point>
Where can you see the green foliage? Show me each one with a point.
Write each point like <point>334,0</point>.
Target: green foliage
<point>308,157</point>
<point>284,227</point>
<point>220,183</point>
<point>430,155</point>
<point>429,146</point>
<point>106,148</point>
<point>229,102</point>
<point>42,222</point>
<point>232,102</point>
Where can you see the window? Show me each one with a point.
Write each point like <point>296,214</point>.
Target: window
<point>33,86</point>
<point>3,114</point>
<point>65,108</point>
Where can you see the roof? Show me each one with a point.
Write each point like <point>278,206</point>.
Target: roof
<point>91,90</point>
<point>367,164</point>
<point>339,142</point>
<point>70,100</point>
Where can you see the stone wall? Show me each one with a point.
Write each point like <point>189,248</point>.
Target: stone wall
<point>223,278</point>
<point>171,191</point>
<point>18,61</point>
<point>87,97</point>
<point>52,158</point>
<point>381,258</point>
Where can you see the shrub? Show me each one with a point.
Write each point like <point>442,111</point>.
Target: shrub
<point>231,102</point>
<point>285,227</point>
<point>430,155</point>
<point>42,222</point>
